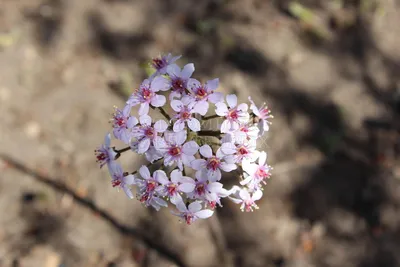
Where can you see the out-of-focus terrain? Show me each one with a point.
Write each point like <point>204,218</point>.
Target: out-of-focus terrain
<point>328,69</point>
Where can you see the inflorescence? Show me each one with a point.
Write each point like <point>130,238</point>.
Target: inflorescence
<point>191,159</point>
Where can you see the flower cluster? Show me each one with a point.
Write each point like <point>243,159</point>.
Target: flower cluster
<point>191,165</point>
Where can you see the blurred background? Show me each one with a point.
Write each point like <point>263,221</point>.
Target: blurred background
<point>329,70</point>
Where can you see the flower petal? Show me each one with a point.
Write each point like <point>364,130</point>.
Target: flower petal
<point>216,97</point>
<point>176,105</point>
<point>194,124</point>
<point>143,146</point>
<point>228,167</point>
<point>212,84</point>
<point>187,71</point>
<point>203,214</point>
<point>221,109</point>
<point>194,206</point>
<point>228,148</point>
<point>173,70</point>
<point>144,109</point>
<point>262,158</point>
<point>201,107</point>
<point>190,148</point>
<point>160,126</point>
<point>231,100</point>
<point>186,187</point>
<point>180,137</point>
<point>198,164</point>
<point>145,119</point>
<point>160,144</point>
<point>179,125</point>
<point>226,126</point>
<point>257,195</point>
<point>129,179</point>
<point>206,151</point>
<point>160,177</point>
<point>158,101</point>
<point>160,83</point>
<point>144,172</point>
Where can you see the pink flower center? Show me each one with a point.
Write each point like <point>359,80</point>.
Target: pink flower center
<point>115,183</point>
<point>188,218</point>
<point>119,121</point>
<point>175,151</point>
<point>213,163</point>
<point>144,197</point>
<point>150,186</point>
<point>149,132</point>
<point>147,94</point>
<point>233,114</point>
<point>172,190</point>
<point>201,93</point>
<point>200,189</point>
<point>185,115</point>
<point>158,63</point>
<point>243,150</point>
<point>261,173</point>
<point>177,85</point>
<point>212,204</point>
<point>264,112</point>
<point>248,205</point>
<point>244,129</point>
<point>101,156</point>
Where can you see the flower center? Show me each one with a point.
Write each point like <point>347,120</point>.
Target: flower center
<point>119,121</point>
<point>233,114</point>
<point>201,93</point>
<point>264,112</point>
<point>174,151</point>
<point>147,94</point>
<point>212,204</point>
<point>171,188</point>
<point>150,186</point>
<point>144,197</point>
<point>177,85</point>
<point>200,189</point>
<point>101,156</point>
<point>188,218</point>
<point>248,205</point>
<point>149,132</point>
<point>115,183</point>
<point>244,129</point>
<point>261,173</point>
<point>243,150</point>
<point>158,63</point>
<point>213,163</point>
<point>185,115</point>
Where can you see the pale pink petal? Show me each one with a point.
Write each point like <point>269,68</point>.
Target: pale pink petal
<point>262,158</point>
<point>216,97</point>
<point>226,126</point>
<point>247,180</point>
<point>212,84</point>
<point>186,187</point>
<point>228,148</point>
<point>193,124</point>
<point>180,205</point>
<point>193,83</point>
<point>160,177</point>
<point>257,195</point>
<point>129,179</point>
<point>190,148</point>
<point>160,126</point>
<point>187,71</point>
<point>174,94</point>
<point>243,107</point>
<point>203,214</point>
<point>175,198</point>
<point>144,109</point>
<point>144,172</point>
<point>231,100</point>
<point>173,70</point>
<point>143,146</point>
<point>206,151</point>
<point>176,175</point>
<point>145,119</point>
<point>128,192</point>
<point>228,167</point>
<point>180,137</point>
<point>160,144</point>
<point>176,105</point>
<point>198,164</point>
<point>194,206</point>
<point>221,109</point>
<point>158,101</point>
<point>187,159</point>
<point>179,125</point>
<point>244,194</point>
<point>160,83</point>
<point>214,175</point>
<point>201,107</point>
<point>214,187</point>
<point>234,126</point>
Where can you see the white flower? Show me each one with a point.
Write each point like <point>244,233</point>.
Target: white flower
<point>247,200</point>
<point>257,173</point>
<point>234,115</point>
<point>193,212</point>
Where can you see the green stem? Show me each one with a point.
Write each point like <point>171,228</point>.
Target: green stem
<point>210,117</point>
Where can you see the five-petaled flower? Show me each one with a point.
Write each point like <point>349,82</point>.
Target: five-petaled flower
<point>122,123</point>
<point>160,64</point>
<point>105,154</point>
<point>193,212</point>
<point>179,79</point>
<point>145,133</point>
<point>234,115</point>
<point>200,94</point>
<point>185,110</point>
<point>247,199</point>
<point>257,173</point>
<point>146,94</point>
<point>262,115</point>
<point>121,179</point>
<point>178,184</point>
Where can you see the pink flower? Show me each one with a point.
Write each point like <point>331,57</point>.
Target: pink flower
<point>201,94</point>
<point>184,114</point>
<point>179,79</point>
<point>193,212</point>
<point>178,184</point>
<point>257,173</point>
<point>245,132</point>
<point>105,154</point>
<point>145,133</point>
<point>120,179</point>
<point>247,200</point>
<point>204,189</point>
<point>123,123</point>
<point>213,164</point>
<point>173,149</point>
<point>147,187</point>
<point>161,63</point>
<point>146,94</point>
<point>246,150</point>
<point>234,115</point>
<point>263,114</point>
